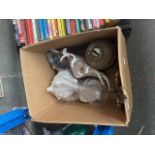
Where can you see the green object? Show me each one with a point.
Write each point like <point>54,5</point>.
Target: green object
<point>82,25</point>
<point>77,25</point>
<point>76,130</point>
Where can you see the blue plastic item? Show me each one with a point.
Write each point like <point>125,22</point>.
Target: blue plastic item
<point>103,130</point>
<point>40,23</point>
<point>13,118</point>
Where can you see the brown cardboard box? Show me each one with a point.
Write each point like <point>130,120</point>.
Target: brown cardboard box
<point>37,74</point>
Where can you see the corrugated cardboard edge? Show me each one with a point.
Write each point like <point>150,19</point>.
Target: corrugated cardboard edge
<point>125,75</point>
<point>85,123</point>
<point>22,50</point>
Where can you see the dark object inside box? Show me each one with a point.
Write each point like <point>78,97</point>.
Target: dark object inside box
<point>99,54</point>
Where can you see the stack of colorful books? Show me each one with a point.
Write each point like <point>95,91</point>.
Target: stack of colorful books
<point>31,31</point>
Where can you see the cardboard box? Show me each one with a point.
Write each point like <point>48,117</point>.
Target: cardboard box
<point>37,75</point>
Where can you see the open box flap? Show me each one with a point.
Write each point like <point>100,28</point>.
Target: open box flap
<point>75,113</point>
<point>125,74</point>
<point>73,40</point>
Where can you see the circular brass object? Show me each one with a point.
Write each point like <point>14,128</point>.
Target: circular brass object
<point>100,54</point>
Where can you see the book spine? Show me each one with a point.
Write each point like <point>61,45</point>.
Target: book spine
<point>45,29</point>
<point>102,22</point>
<point>77,25</point>
<point>20,32</point>
<point>34,30</point>
<point>59,27</point>
<point>22,29</point>
<point>31,31</point>
<point>63,27</point>
<point>54,27</point>
<point>37,30</point>
<point>89,25</point>
<point>73,27</point>
<point>82,25</point>
<point>97,23</point>
<point>41,29</point>
<point>49,29</point>
<point>24,32</point>
<point>68,28</point>
<point>94,23</point>
<point>27,31</point>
